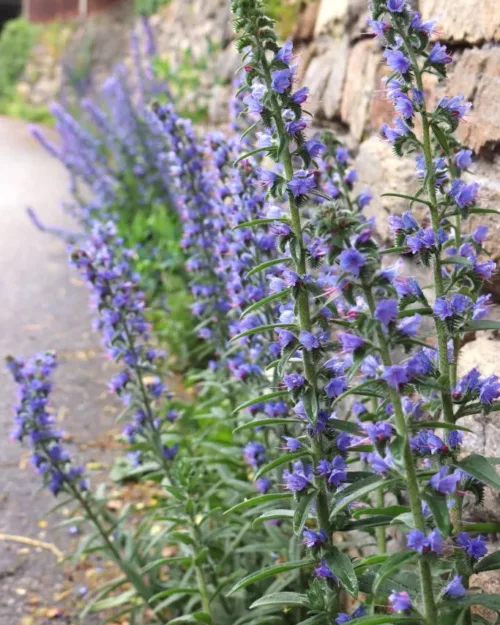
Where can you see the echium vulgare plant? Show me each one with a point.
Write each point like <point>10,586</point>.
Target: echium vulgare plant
<point>413,477</point>
<point>197,477</point>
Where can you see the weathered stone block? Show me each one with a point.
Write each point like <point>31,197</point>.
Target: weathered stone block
<point>361,71</point>
<point>464,20</point>
<point>477,75</point>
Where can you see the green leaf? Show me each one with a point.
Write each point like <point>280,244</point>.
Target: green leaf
<point>377,520</point>
<point>264,301</point>
<point>302,512</point>
<point>264,422</point>
<point>423,425</point>
<point>341,565</point>
<point>489,563</point>
<point>413,198</point>
<point>263,328</point>
<point>482,324</point>
<point>251,153</point>
<point>384,619</point>
<point>272,515</point>
<point>267,264</point>
<point>442,139</point>
<point>169,592</point>
<point>114,602</point>
<point>259,500</point>
<point>345,426</point>
<point>439,508</point>
<point>260,222</point>
<point>387,511</point>
<point>455,260</point>
<point>317,619</point>
<point>358,490</point>
<point>480,468</point>
<point>269,571</point>
<point>277,462</point>
<point>491,601</point>
<point>256,400</point>
<point>392,565</point>
<point>281,598</point>
<point>162,561</point>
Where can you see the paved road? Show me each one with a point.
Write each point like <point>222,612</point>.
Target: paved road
<point>42,305</point>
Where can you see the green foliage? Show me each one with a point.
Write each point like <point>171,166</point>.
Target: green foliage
<point>285,14</point>
<point>184,79</point>
<point>16,41</point>
<point>149,7</point>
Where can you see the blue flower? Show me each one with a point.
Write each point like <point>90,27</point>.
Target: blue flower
<point>442,308</point>
<point>443,482</point>
<point>292,444</point>
<point>397,61</point>
<point>299,478</point>
<point>400,601</point>
<point>285,53</point>
<point>386,311</point>
<point>352,261</point>
<point>308,340</point>
<point>342,154</point>
<point>335,387</point>
<point>281,80</point>
<point>475,547</point>
<point>463,159</point>
<point>301,95</point>
<point>324,571</point>
<point>395,376</point>
<point>455,588</point>
<point>302,183</point>
<point>314,539</point>
<point>294,381</point>
<point>409,326</point>
<point>396,6</point>
<point>314,147</point>
<point>364,198</point>
<point>456,106</point>
<point>380,431</point>
<point>404,106</point>
<point>439,55</point>
<point>263,484</point>
<point>490,389</point>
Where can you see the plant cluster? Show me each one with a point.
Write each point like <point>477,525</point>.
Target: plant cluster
<point>319,478</point>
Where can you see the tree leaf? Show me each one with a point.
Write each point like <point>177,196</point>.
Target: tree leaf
<point>281,598</point>
<point>302,512</point>
<point>341,565</point>
<point>392,565</point>
<point>257,400</point>
<point>263,422</point>
<point>272,515</point>
<point>267,264</point>
<point>480,468</point>
<point>277,462</point>
<point>269,571</point>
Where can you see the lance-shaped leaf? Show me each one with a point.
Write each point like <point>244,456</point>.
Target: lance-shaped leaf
<point>491,601</point>
<point>281,598</point>
<point>403,196</point>
<point>480,468</point>
<point>267,264</point>
<point>345,426</point>
<point>270,571</point>
<point>438,505</point>
<point>394,564</point>
<point>258,423</point>
<point>482,324</point>
<point>258,501</point>
<point>261,398</point>
<point>263,328</point>
<point>260,222</point>
<point>489,563</point>
<point>277,462</point>
<point>341,566</point>
<point>273,515</point>
<point>360,489</point>
<point>264,301</point>
<point>302,512</point>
